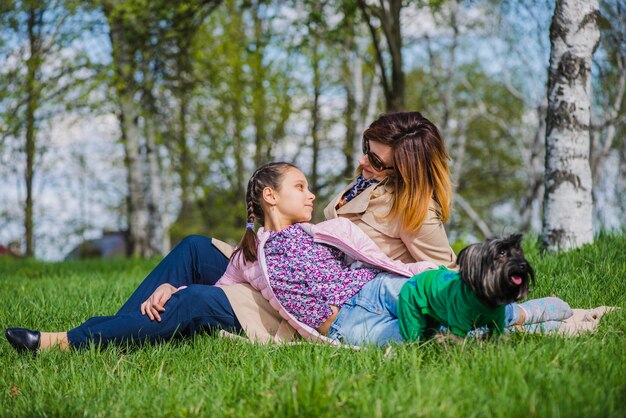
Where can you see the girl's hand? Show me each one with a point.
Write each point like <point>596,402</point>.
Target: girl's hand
<point>157,300</point>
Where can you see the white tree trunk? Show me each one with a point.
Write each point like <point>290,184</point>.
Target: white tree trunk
<point>154,193</point>
<point>137,205</point>
<point>574,34</point>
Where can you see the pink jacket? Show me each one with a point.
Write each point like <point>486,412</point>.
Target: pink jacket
<point>339,233</point>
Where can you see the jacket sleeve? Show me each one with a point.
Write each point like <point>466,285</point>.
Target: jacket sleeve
<point>430,242</point>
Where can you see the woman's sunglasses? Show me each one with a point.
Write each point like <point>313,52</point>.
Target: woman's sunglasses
<point>375,162</point>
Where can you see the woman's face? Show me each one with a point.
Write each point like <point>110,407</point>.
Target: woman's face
<point>383,152</point>
<point>294,201</point>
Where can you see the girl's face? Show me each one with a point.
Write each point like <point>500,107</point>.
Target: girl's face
<point>383,152</point>
<point>293,202</point>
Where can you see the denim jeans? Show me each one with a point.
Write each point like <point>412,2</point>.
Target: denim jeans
<point>194,263</point>
<point>371,316</point>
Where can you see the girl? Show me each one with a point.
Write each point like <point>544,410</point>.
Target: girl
<point>325,279</point>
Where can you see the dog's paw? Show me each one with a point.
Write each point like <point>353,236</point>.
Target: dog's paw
<point>446,339</point>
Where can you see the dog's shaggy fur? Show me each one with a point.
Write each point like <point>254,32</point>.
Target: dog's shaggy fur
<point>496,270</point>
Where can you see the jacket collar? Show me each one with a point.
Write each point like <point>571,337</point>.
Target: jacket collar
<point>360,202</point>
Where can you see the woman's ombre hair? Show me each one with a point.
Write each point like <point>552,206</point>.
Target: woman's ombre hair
<point>420,166</point>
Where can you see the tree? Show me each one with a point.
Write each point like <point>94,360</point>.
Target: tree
<point>238,111</point>
<point>387,14</point>
<point>36,80</point>
<point>608,119</point>
<point>127,27</point>
<point>143,35</point>
<point>358,78</point>
<point>574,35</point>
<point>185,19</point>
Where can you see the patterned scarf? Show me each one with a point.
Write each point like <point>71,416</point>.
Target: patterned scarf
<point>360,185</point>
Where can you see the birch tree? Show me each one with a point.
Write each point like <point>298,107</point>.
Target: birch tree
<point>574,35</point>
<point>124,27</point>
<point>143,35</point>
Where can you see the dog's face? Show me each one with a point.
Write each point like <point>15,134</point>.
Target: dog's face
<point>496,270</point>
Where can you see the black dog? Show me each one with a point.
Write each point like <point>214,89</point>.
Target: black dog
<point>496,270</point>
<point>491,274</point>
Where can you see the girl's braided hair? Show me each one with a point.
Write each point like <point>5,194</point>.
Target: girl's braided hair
<point>269,175</point>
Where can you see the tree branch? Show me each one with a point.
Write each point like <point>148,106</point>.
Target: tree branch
<point>473,215</point>
<point>365,9</point>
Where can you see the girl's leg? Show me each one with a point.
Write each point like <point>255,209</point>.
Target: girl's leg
<point>193,261</point>
<point>371,316</point>
<point>537,310</point>
<point>190,310</point>
<point>526,317</point>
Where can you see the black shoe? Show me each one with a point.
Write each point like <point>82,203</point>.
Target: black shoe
<point>23,339</point>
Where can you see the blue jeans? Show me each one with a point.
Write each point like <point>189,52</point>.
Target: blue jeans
<point>370,316</point>
<point>195,263</point>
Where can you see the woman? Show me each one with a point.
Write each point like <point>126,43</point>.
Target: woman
<point>401,197</point>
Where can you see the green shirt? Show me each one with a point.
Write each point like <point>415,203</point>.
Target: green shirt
<point>439,297</point>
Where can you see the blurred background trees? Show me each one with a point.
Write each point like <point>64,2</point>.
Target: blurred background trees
<point>147,117</point>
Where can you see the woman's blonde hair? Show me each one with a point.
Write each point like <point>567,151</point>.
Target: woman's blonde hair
<point>420,162</point>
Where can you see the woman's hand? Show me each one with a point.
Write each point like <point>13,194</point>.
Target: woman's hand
<point>157,300</point>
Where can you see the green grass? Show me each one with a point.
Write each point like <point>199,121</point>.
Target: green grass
<point>519,376</point>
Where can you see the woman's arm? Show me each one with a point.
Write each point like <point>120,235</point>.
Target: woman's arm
<point>430,242</point>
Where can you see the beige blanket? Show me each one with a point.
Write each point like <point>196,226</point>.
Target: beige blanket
<point>584,320</point>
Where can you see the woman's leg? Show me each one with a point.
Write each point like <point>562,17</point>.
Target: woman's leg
<point>193,261</point>
<point>371,316</point>
<point>48,340</point>
<point>196,308</point>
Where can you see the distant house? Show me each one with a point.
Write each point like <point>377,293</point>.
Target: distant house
<point>113,244</point>
<point>10,250</point>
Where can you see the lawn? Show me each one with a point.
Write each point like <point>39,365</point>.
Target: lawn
<point>515,376</point>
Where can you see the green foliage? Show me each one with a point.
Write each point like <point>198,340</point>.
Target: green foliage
<point>225,86</point>
<point>492,171</point>
<point>522,375</point>
<point>220,214</point>
<point>609,64</point>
